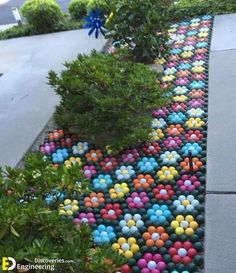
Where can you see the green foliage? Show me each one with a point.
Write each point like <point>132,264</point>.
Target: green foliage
<point>78,8</point>
<point>107,100</point>
<point>103,5</point>
<point>141,24</point>
<point>29,229</point>
<point>42,15</point>
<point>185,9</point>
<point>27,30</point>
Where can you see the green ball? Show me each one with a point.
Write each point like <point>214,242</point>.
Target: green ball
<point>135,269</point>
<point>191,267</point>
<point>162,250</point>
<point>138,256</point>
<point>198,246</point>
<point>168,243</point>
<point>200,232</point>
<point>173,237</point>
<point>144,249</point>
<point>171,266</point>
<point>198,260</point>
<point>167,258</point>
<point>200,219</point>
<point>180,267</point>
<point>132,262</point>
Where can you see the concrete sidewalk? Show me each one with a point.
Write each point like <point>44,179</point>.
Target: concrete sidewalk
<point>26,101</point>
<point>220,239</point>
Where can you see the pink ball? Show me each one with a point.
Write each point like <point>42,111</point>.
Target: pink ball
<point>145,270</point>
<point>157,258</point>
<point>76,221</point>
<point>161,266</point>
<point>147,256</point>
<point>142,263</point>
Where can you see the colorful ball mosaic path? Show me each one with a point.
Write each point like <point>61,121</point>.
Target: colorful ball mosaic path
<point>147,202</point>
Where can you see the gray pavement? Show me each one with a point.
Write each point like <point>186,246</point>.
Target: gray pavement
<point>6,16</point>
<point>26,101</point>
<point>220,239</point>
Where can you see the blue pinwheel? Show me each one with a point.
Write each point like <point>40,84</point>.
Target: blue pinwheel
<point>95,23</point>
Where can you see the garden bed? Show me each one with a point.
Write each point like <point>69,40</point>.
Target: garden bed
<point>148,201</point>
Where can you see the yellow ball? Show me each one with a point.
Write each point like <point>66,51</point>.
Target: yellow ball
<point>189,218</point>
<point>134,248</point>
<point>113,196</point>
<point>121,240</point>
<point>189,231</point>
<point>115,246</point>
<point>62,212</point>
<point>185,203</point>
<point>120,195</point>
<point>179,231</point>
<point>128,254</point>
<point>174,224</point>
<point>131,241</point>
<point>179,218</point>
<point>75,208</point>
<point>193,224</point>
<point>169,177</point>
<point>67,202</point>
<point>75,202</point>
<point>69,212</point>
<point>130,223</point>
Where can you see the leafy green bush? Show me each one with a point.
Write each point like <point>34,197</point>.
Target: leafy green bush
<point>43,15</point>
<point>29,229</point>
<point>103,5</point>
<point>107,100</point>
<point>142,24</point>
<point>185,9</point>
<point>78,8</point>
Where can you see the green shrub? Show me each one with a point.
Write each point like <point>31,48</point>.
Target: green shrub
<point>29,229</point>
<point>141,24</point>
<point>107,100</point>
<point>103,5</point>
<point>78,8</point>
<point>42,15</point>
<point>185,9</point>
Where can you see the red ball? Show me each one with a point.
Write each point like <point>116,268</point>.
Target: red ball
<point>176,259</point>
<point>192,252</point>
<point>125,269</point>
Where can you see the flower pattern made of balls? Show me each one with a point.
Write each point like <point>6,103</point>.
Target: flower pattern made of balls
<point>111,211</point>
<point>186,203</point>
<point>69,207</point>
<point>119,191</point>
<point>176,118</point>
<point>193,135</point>
<point>188,183</point>
<point>94,155</point>
<point>163,192</point>
<point>194,123</point>
<point>158,123</point>
<point>102,182</point>
<point>179,107</point>
<point>151,148</point>
<point>180,98</point>
<point>158,214</point>
<point>155,236</point>
<point>174,130</point>
<point>170,158</point>
<point>195,149</point>
<point>109,164</point>
<point>196,93</point>
<point>180,90</point>
<point>147,164</point>
<point>195,112</point>
<point>103,235</point>
<point>80,148</point>
<point>130,156</point>
<point>72,161</point>
<point>127,247</point>
<point>125,172</point>
<point>195,103</point>
<point>131,223</point>
<point>94,200</point>
<point>167,173</point>
<point>137,200</point>
<point>89,171</point>
<point>143,181</point>
<point>60,155</point>
<point>151,263</point>
<point>156,134</point>
<point>196,164</point>
<point>184,225</point>
<point>162,112</point>
<point>172,142</point>
<point>87,218</point>
<point>182,252</point>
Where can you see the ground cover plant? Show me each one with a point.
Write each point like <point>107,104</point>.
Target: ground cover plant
<point>31,226</point>
<point>147,201</point>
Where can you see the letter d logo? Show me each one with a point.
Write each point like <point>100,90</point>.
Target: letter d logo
<point>6,265</point>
